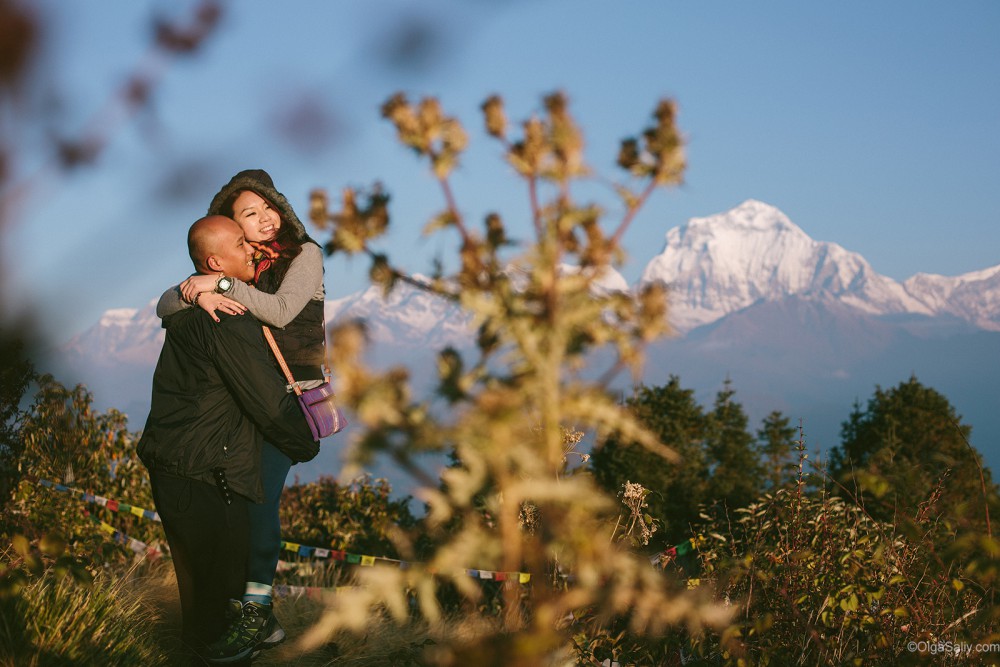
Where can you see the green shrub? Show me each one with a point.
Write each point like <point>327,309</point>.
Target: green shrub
<point>63,440</point>
<point>815,579</point>
<point>359,517</point>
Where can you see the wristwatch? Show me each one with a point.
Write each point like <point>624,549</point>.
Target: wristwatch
<point>223,284</point>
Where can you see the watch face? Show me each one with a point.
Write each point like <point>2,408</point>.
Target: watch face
<point>224,284</point>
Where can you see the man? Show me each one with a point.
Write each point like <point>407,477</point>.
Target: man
<point>216,392</point>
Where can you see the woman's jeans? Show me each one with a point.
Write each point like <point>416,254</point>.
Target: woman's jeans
<point>265,524</point>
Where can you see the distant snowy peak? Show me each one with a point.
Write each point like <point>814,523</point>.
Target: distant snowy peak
<point>122,335</point>
<point>723,263</point>
<point>117,317</point>
<point>973,297</point>
<point>408,315</point>
<point>607,282</point>
<point>415,317</point>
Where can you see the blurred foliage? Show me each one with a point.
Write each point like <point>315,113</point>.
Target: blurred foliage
<point>504,410</point>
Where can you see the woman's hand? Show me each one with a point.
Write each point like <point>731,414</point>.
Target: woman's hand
<point>197,285</point>
<point>211,302</point>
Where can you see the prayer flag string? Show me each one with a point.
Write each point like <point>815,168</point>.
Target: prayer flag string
<point>138,546</point>
<point>368,561</point>
<point>363,560</point>
<point>109,503</point>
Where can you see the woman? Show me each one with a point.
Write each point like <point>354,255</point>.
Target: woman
<point>288,294</point>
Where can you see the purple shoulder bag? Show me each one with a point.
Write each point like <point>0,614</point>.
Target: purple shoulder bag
<point>318,404</point>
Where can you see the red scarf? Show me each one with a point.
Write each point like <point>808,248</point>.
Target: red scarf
<point>264,256</point>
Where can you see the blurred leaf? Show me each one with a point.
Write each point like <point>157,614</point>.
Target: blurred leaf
<point>21,546</point>
<point>52,545</point>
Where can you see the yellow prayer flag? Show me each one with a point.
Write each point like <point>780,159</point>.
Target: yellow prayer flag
<point>367,561</point>
<point>524,577</point>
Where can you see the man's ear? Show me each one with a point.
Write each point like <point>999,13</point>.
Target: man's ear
<point>213,263</point>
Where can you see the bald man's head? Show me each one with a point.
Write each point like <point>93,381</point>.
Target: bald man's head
<point>216,245</point>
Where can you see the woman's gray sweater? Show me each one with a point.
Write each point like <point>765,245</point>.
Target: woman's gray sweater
<point>302,283</point>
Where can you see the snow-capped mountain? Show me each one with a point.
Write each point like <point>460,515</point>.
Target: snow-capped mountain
<point>714,266</point>
<point>122,335</point>
<point>800,325</point>
<point>408,316</point>
<point>411,317</point>
<point>723,263</point>
<point>972,297</point>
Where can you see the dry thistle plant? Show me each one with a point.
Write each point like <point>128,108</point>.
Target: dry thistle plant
<point>516,410</point>
<point>640,525</point>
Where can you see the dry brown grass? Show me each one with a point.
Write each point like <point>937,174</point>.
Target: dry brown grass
<point>385,644</point>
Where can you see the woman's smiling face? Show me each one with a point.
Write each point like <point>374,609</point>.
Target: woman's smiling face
<point>259,220</point>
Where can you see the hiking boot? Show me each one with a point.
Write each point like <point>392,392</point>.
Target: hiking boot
<point>272,633</point>
<point>246,633</point>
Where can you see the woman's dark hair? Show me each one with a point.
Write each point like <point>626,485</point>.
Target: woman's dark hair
<point>289,237</point>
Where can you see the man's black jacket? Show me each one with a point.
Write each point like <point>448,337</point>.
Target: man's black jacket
<point>216,391</point>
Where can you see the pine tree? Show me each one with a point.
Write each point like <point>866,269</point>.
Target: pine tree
<point>677,489</point>
<point>777,440</point>
<point>736,475</point>
<point>908,443</point>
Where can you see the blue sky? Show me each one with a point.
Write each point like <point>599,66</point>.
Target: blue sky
<point>872,125</point>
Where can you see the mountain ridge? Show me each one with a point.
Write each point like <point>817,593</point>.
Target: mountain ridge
<point>714,266</point>
<point>751,296</point>
<point>722,263</point>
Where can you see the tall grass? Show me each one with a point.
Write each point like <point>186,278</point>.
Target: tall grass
<point>53,619</point>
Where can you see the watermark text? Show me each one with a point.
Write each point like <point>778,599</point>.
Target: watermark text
<point>951,648</point>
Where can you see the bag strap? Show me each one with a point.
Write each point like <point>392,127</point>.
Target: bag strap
<point>326,369</point>
<point>281,360</point>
